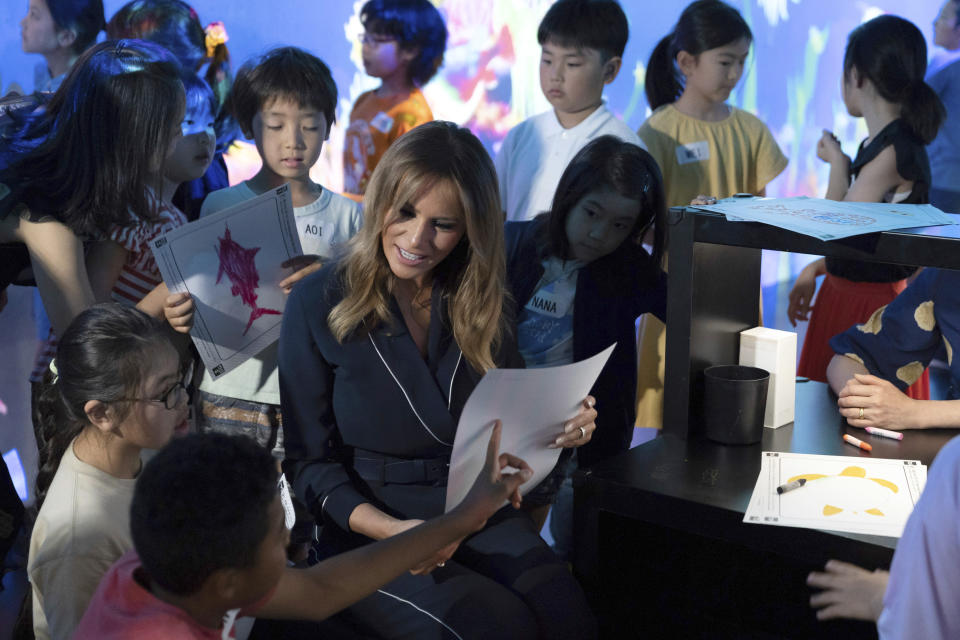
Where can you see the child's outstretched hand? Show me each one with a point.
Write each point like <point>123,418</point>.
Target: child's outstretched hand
<point>848,591</point>
<point>302,266</point>
<point>493,486</point>
<point>178,310</point>
<point>829,149</point>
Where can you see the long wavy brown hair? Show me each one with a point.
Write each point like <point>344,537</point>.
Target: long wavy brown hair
<point>472,276</point>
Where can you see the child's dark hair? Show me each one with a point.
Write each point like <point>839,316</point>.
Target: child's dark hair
<point>891,53</point>
<point>87,158</point>
<point>608,162</point>
<point>586,24</point>
<point>703,25</point>
<point>175,26</point>
<point>285,73</point>
<point>197,92</point>
<point>83,17</point>
<point>416,24</point>
<point>102,355</point>
<point>201,505</point>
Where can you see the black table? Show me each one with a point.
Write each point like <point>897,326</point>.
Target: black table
<point>662,550</point>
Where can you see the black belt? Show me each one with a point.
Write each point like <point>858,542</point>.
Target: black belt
<point>373,467</point>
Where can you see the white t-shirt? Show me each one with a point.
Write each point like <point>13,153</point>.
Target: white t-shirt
<point>537,151</point>
<point>323,224</point>
<point>82,528</point>
<point>545,325</point>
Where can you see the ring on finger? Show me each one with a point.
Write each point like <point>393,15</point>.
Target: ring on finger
<point>860,415</point>
<point>583,433</point>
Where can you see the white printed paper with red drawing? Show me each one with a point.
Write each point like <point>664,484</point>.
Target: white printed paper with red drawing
<point>229,262</point>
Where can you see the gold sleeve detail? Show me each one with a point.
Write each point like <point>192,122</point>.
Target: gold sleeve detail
<point>910,373</point>
<point>855,357</point>
<point>924,316</point>
<point>874,324</point>
<point>949,350</point>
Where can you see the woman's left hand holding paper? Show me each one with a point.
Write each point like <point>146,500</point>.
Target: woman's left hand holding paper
<point>578,431</point>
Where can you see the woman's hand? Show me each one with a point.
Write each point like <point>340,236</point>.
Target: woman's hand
<point>869,401</point>
<point>801,295</point>
<point>848,591</point>
<point>578,431</point>
<point>488,493</point>
<point>178,310</point>
<point>829,149</point>
<point>302,266</point>
<point>438,559</point>
<point>702,199</point>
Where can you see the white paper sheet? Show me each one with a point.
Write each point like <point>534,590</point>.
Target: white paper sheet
<point>533,405</point>
<point>842,493</point>
<point>229,262</point>
<point>829,219</point>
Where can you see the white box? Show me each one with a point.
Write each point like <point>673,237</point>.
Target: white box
<point>775,351</point>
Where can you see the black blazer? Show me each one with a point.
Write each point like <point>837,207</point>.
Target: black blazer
<point>373,396</point>
<point>612,293</point>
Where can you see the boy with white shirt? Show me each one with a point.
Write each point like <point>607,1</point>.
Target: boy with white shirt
<point>582,43</point>
<point>286,102</point>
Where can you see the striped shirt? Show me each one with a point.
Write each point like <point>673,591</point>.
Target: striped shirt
<point>140,274</point>
<point>138,277</point>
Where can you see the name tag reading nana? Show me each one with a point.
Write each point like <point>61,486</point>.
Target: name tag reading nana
<point>693,152</point>
<point>549,303</point>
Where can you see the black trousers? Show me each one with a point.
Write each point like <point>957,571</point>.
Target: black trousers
<point>503,582</point>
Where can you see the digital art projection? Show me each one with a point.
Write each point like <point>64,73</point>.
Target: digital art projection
<point>490,78</point>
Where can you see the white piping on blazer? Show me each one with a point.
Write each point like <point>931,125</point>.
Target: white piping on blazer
<point>407,396</point>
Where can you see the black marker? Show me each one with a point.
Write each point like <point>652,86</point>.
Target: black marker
<point>790,486</point>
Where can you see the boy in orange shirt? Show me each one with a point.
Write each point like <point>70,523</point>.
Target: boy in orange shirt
<point>403,45</point>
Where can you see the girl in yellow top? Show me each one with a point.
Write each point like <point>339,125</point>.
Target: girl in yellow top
<point>403,45</point>
<point>702,144</point>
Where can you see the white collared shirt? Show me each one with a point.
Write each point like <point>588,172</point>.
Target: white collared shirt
<point>537,151</point>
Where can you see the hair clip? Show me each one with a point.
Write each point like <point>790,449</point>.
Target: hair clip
<point>216,34</point>
<point>53,370</point>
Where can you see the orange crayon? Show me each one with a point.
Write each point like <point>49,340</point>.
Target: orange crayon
<point>849,439</point>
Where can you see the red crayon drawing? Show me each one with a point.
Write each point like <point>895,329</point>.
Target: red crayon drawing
<point>237,262</point>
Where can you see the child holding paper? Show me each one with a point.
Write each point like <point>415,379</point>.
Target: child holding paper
<point>402,45</point>
<point>581,277</point>
<point>393,339</point>
<point>883,82</point>
<point>286,101</point>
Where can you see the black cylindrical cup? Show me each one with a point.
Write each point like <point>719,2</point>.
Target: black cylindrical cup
<point>735,398</point>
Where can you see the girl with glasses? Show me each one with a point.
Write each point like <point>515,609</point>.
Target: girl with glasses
<point>118,387</point>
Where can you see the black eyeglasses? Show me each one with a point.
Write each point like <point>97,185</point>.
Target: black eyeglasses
<point>376,39</point>
<point>173,396</point>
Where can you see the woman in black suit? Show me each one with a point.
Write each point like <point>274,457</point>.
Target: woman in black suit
<point>378,354</point>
